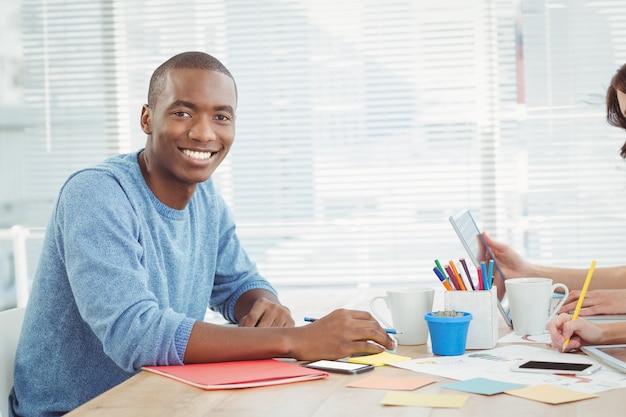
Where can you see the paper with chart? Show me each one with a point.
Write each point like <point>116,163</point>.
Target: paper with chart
<point>495,364</point>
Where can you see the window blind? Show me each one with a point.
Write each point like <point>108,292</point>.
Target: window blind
<point>361,126</point>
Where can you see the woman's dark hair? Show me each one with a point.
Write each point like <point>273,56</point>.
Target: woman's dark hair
<point>614,115</point>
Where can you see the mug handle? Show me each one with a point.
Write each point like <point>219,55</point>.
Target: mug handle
<point>377,314</point>
<point>561,301</point>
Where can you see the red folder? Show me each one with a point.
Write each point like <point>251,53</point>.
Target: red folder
<point>239,374</point>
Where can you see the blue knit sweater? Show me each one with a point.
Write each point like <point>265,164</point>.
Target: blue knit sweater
<point>121,280</point>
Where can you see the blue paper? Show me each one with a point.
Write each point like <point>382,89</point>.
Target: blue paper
<point>482,386</point>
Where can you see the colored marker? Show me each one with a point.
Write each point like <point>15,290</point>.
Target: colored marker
<point>469,277</point>
<point>483,270</point>
<point>479,272</point>
<point>465,285</point>
<point>452,277</point>
<point>457,275</point>
<point>490,273</point>
<point>390,331</point>
<point>442,278</point>
<point>442,271</point>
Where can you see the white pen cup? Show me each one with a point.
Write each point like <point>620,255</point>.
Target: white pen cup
<point>530,300</point>
<point>407,307</point>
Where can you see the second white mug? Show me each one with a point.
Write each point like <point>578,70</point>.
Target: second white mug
<point>530,300</point>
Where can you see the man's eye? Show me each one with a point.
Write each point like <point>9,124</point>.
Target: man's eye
<point>222,117</point>
<point>182,114</point>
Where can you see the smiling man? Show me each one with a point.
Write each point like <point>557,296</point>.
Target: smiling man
<point>138,247</point>
<point>190,123</point>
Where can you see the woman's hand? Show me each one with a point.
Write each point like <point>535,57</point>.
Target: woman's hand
<point>512,264</point>
<point>580,332</point>
<point>597,302</point>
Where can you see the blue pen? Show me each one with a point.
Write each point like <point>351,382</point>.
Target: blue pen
<point>490,273</point>
<point>390,331</point>
<point>483,269</point>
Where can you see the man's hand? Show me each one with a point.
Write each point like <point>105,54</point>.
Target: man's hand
<point>266,313</point>
<point>339,334</point>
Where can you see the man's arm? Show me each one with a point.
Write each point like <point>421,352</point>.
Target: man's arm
<point>339,334</point>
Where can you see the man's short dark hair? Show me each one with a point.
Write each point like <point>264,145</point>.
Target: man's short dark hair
<point>185,60</point>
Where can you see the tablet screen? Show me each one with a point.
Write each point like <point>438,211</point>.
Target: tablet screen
<point>471,237</point>
<point>474,243</point>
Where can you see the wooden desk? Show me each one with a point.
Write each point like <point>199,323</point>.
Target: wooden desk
<point>148,394</point>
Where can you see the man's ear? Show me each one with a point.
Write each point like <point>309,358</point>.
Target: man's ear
<point>146,119</point>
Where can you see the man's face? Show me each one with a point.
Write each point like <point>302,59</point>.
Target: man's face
<point>192,127</point>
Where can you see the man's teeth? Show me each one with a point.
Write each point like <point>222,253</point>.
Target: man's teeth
<point>196,154</point>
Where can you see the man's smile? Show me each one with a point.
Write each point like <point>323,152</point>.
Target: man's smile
<point>197,154</point>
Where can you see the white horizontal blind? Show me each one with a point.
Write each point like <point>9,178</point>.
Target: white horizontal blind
<point>69,78</point>
<point>348,162</point>
<point>361,125</point>
<point>572,179</point>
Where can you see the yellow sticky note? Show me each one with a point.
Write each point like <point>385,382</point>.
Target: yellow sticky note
<point>379,359</point>
<point>389,383</point>
<point>550,394</point>
<point>424,400</point>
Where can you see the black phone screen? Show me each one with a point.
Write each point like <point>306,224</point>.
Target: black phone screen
<point>557,366</point>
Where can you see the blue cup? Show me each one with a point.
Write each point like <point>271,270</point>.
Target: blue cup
<point>448,334</point>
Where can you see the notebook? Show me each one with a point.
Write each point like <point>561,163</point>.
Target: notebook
<point>238,374</point>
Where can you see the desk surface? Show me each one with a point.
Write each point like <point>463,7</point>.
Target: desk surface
<point>154,395</point>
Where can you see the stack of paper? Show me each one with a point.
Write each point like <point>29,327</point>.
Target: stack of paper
<point>239,374</point>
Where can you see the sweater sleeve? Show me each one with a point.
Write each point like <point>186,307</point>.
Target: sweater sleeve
<point>98,236</point>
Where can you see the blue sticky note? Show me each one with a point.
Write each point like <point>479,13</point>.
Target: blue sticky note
<point>482,386</point>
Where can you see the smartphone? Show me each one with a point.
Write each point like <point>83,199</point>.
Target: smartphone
<point>339,367</point>
<point>571,368</point>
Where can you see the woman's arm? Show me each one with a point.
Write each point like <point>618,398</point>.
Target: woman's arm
<point>513,265</point>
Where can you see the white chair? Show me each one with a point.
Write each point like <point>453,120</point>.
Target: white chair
<point>10,328</point>
<point>20,235</point>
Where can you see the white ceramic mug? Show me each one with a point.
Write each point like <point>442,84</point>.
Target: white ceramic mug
<point>530,300</point>
<point>408,307</point>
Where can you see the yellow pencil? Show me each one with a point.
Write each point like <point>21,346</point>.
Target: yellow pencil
<point>581,298</point>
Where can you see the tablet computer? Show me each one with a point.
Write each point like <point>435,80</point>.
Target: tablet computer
<point>475,245</point>
<point>606,318</point>
<point>611,355</point>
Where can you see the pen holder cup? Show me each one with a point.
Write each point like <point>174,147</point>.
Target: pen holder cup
<point>448,333</point>
<point>483,329</point>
